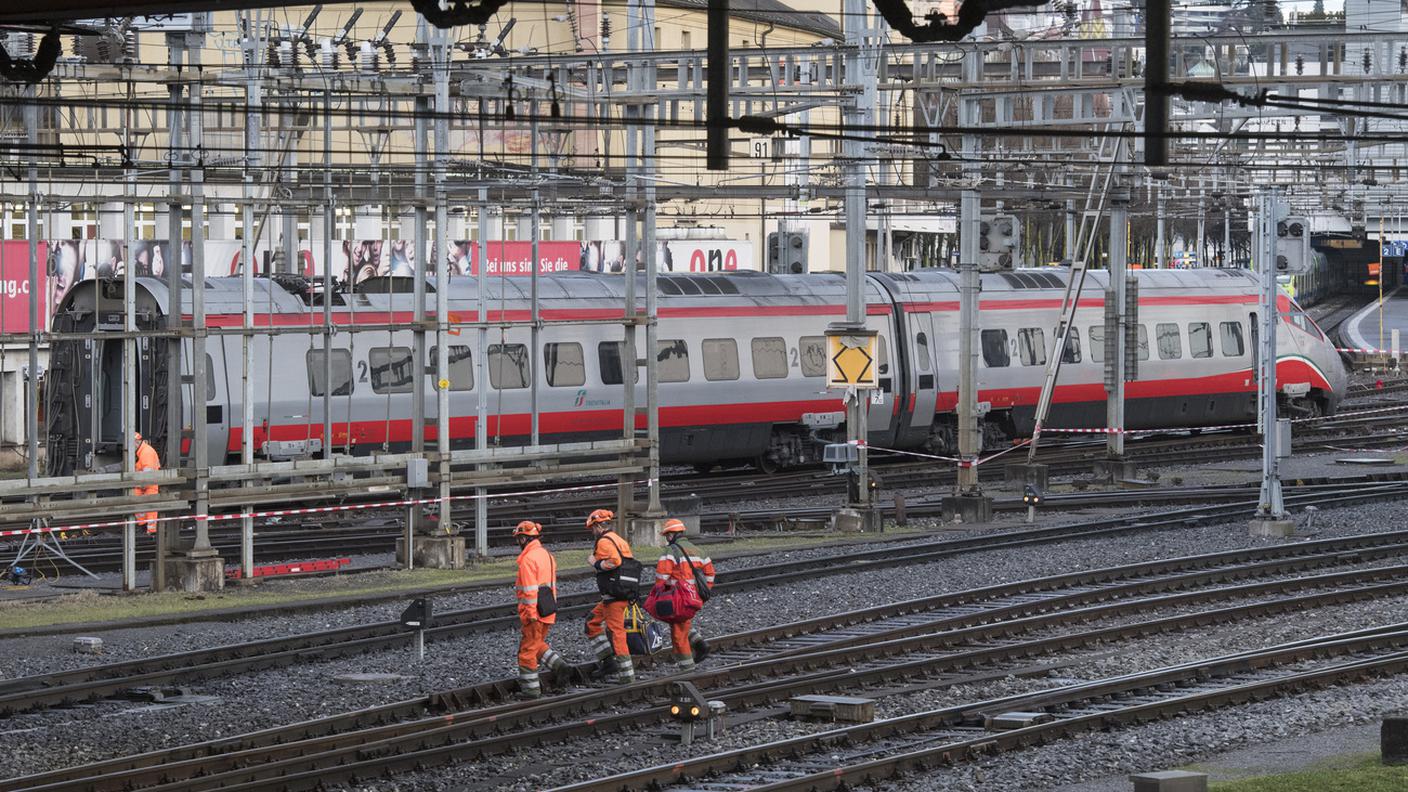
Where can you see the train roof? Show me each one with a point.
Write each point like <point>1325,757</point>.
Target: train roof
<point>225,295</point>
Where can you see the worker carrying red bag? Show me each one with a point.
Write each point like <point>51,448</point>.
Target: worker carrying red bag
<point>683,580</point>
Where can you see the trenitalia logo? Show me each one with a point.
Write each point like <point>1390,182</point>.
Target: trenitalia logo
<point>583,401</point>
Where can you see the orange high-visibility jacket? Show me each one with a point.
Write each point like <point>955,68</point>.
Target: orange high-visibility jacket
<point>147,459</point>
<point>609,551</point>
<point>674,564</point>
<point>536,569</point>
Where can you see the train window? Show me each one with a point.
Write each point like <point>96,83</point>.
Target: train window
<point>1097,343</point>
<point>563,365</point>
<point>508,366</point>
<point>1072,352</point>
<point>1143,344</point>
<point>341,372</point>
<point>921,351</point>
<point>392,369</point>
<point>812,351</point>
<point>608,355</point>
<point>1169,340</point>
<point>883,355</point>
<point>672,361</point>
<point>1031,346</point>
<point>461,368</point>
<point>1232,339</point>
<point>995,354</point>
<point>209,378</point>
<point>720,359</point>
<point>769,358</point>
<point>1200,339</point>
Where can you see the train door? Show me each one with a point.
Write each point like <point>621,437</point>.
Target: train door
<point>924,389</point>
<point>884,418</point>
<point>1256,346</point>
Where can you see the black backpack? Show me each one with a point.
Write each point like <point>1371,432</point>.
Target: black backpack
<point>623,582</point>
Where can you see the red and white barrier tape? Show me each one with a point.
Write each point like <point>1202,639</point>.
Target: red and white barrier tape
<point>306,510</point>
<point>961,462</point>
<point>1366,351</point>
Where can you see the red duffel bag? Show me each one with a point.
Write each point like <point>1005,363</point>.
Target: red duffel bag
<point>672,604</point>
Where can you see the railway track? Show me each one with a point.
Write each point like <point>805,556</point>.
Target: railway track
<point>883,750</point>
<point>958,638</point>
<point>85,684</point>
<point>377,532</point>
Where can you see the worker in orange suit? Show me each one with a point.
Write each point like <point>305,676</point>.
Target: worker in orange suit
<point>147,459</point>
<point>607,625</point>
<point>536,587</point>
<point>677,567</point>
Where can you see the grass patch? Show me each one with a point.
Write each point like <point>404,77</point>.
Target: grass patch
<point>89,606</point>
<point>1351,773</point>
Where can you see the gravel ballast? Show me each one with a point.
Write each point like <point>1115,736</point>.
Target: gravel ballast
<point>260,700</point>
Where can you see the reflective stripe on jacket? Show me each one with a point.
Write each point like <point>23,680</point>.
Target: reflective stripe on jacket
<point>674,564</point>
<point>536,569</point>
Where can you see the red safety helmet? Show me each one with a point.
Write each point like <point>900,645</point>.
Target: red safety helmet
<point>528,528</point>
<point>600,516</point>
<point>672,526</point>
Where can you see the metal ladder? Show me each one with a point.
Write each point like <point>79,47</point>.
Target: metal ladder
<point>1093,211</point>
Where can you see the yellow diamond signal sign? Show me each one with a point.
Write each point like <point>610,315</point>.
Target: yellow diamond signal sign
<point>850,361</point>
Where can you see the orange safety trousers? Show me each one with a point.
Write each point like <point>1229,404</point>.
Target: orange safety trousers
<point>533,644</point>
<point>679,636</point>
<point>613,615</point>
<point>146,519</point>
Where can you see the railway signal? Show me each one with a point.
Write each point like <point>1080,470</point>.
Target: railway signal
<point>1292,246</point>
<point>998,242</point>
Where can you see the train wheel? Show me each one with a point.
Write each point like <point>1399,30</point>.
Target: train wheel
<point>766,465</point>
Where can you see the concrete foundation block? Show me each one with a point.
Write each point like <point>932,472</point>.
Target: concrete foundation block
<point>1273,528</point>
<point>194,573</point>
<point>1393,739</point>
<point>686,509</point>
<point>1016,720</point>
<point>1036,475</point>
<point>842,709</point>
<point>645,531</point>
<point>1170,781</point>
<point>855,520</point>
<point>975,509</point>
<point>86,645</point>
<point>1114,469</point>
<point>433,552</point>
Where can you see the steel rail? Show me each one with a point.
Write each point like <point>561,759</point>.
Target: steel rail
<point>197,759</point>
<point>385,750</point>
<point>1215,683</point>
<point>99,681</point>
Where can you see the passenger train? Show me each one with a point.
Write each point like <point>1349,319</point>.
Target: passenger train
<point>741,361</point>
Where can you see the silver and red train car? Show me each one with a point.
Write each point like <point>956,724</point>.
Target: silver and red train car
<point>741,360</point>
